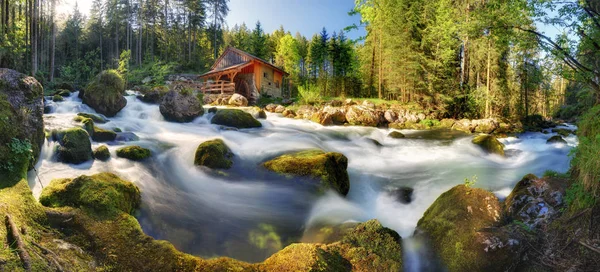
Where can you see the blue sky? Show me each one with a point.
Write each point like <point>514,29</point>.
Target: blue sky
<point>305,16</point>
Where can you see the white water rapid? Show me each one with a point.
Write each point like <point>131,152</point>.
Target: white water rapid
<point>207,214</point>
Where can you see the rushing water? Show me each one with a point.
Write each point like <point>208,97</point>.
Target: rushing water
<point>209,213</point>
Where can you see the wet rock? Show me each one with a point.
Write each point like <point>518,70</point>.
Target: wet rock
<point>556,139</point>
<point>126,137</point>
<point>181,107</point>
<point>288,113</point>
<point>258,113</point>
<point>103,135</point>
<point>362,116</point>
<point>562,132</point>
<point>97,118</point>
<point>48,109</point>
<point>403,195</point>
<point>464,125</point>
<point>396,135</point>
<point>235,118</point>
<point>238,100</point>
<point>212,110</point>
<point>75,146</point>
<point>57,98</point>
<point>271,107</point>
<point>104,193</point>
<point>155,95</point>
<point>102,153</point>
<point>375,142</point>
<point>489,144</point>
<point>460,225</point>
<point>486,126</point>
<point>213,154</point>
<point>536,201</point>
<point>329,168</point>
<point>105,93</point>
<point>63,93</point>
<point>134,153</point>
<point>279,109</point>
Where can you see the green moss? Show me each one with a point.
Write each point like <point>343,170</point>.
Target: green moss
<point>63,93</point>
<point>97,118</point>
<point>329,168</point>
<point>489,144</point>
<point>102,153</point>
<point>57,98</point>
<point>306,257</point>
<point>103,135</point>
<point>429,123</point>
<point>214,154</point>
<point>105,93</point>
<point>235,118</point>
<point>396,135</point>
<point>103,193</point>
<point>134,152</point>
<point>562,132</point>
<point>75,146</point>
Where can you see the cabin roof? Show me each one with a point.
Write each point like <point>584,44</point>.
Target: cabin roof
<point>243,53</point>
<point>232,67</point>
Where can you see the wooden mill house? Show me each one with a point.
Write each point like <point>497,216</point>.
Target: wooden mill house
<point>236,71</point>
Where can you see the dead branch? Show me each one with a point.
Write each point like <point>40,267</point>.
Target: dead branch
<point>15,238</point>
<point>589,247</point>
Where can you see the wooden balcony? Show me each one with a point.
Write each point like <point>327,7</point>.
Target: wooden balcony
<point>218,87</point>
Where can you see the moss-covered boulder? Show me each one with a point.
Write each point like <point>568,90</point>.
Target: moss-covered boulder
<point>181,106</point>
<point>103,135</point>
<point>556,139</point>
<point>102,153</point>
<point>75,146</point>
<point>235,118</point>
<point>329,168</point>
<point>535,201</point>
<point>364,246</point>
<point>461,227</point>
<point>134,153</point>
<point>105,93</point>
<point>396,135</point>
<point>563,131</point>
<point>63,92</point>
<point>21,113</point>
<point>97,118</point>
<point>104,193</point>
<point>57,98</point>
<point>213,154</point>
<point>489,144</point>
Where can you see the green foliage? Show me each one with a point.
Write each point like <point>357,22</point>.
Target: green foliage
<point>522,225</point>
<point>156,70</point>
<point>430,123</point>
<point>124,59</point>
<point>586,163</point>
<point>554,174</point>
<point>309,94</point>
<point>470,182</point>
<point>20,153</point>
<point>578,198</point>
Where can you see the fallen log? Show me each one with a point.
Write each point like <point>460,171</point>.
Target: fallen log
<point>14,239</point>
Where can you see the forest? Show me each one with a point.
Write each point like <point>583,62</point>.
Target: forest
<point>466,58</point>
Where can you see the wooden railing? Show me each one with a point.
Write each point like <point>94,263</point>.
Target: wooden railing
<point>212,87</point>
<point>218,87</point>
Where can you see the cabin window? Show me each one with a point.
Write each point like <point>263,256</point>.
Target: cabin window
<point>276,84</point>
<point>265,75</point>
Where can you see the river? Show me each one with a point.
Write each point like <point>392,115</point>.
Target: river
<point>210,213</point>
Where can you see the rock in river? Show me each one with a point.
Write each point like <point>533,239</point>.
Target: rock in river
<point>329,168</point>
<point>105,93</point>
<point>213,154</point>
<point>235,118</point>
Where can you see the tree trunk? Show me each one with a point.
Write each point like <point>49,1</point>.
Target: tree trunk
<point>487,95</point>
<point>52,41</point>
<point>34,37</point>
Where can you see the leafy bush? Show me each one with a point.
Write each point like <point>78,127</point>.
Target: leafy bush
<point>554,174</point>
<point>586,162</point>
<point>309,94</point>
<point>20,153</point>
<point>157,71</point>
<point>578,198</point>
<point>430,123</point>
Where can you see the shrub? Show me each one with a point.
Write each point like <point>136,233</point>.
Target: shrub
<point>586,162</point>
<point>309,94</point>
<point>430,123</point>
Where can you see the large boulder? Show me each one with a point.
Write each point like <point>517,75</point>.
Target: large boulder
<point>486,126</point>
<point>489,144</point>
<point>536,201</point>
<point>105,93</point>
<point>556,139</point>
<point>102,153</point>
<point>306,111</point>
<point>235,118</point>
<point>75,146</point>
<point>103,193</point>
<point>181,107</point>
<point>461,226</point>
<point>238,100</point>
<point>213,154</point>
<point>21,110</point>
<point>155,95</point>
<point>464,125</point>
<point>97,134</point>
<point>364,246</point>
<point>363,116</point>
<point>329,168</point>
<point>134,153</point>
